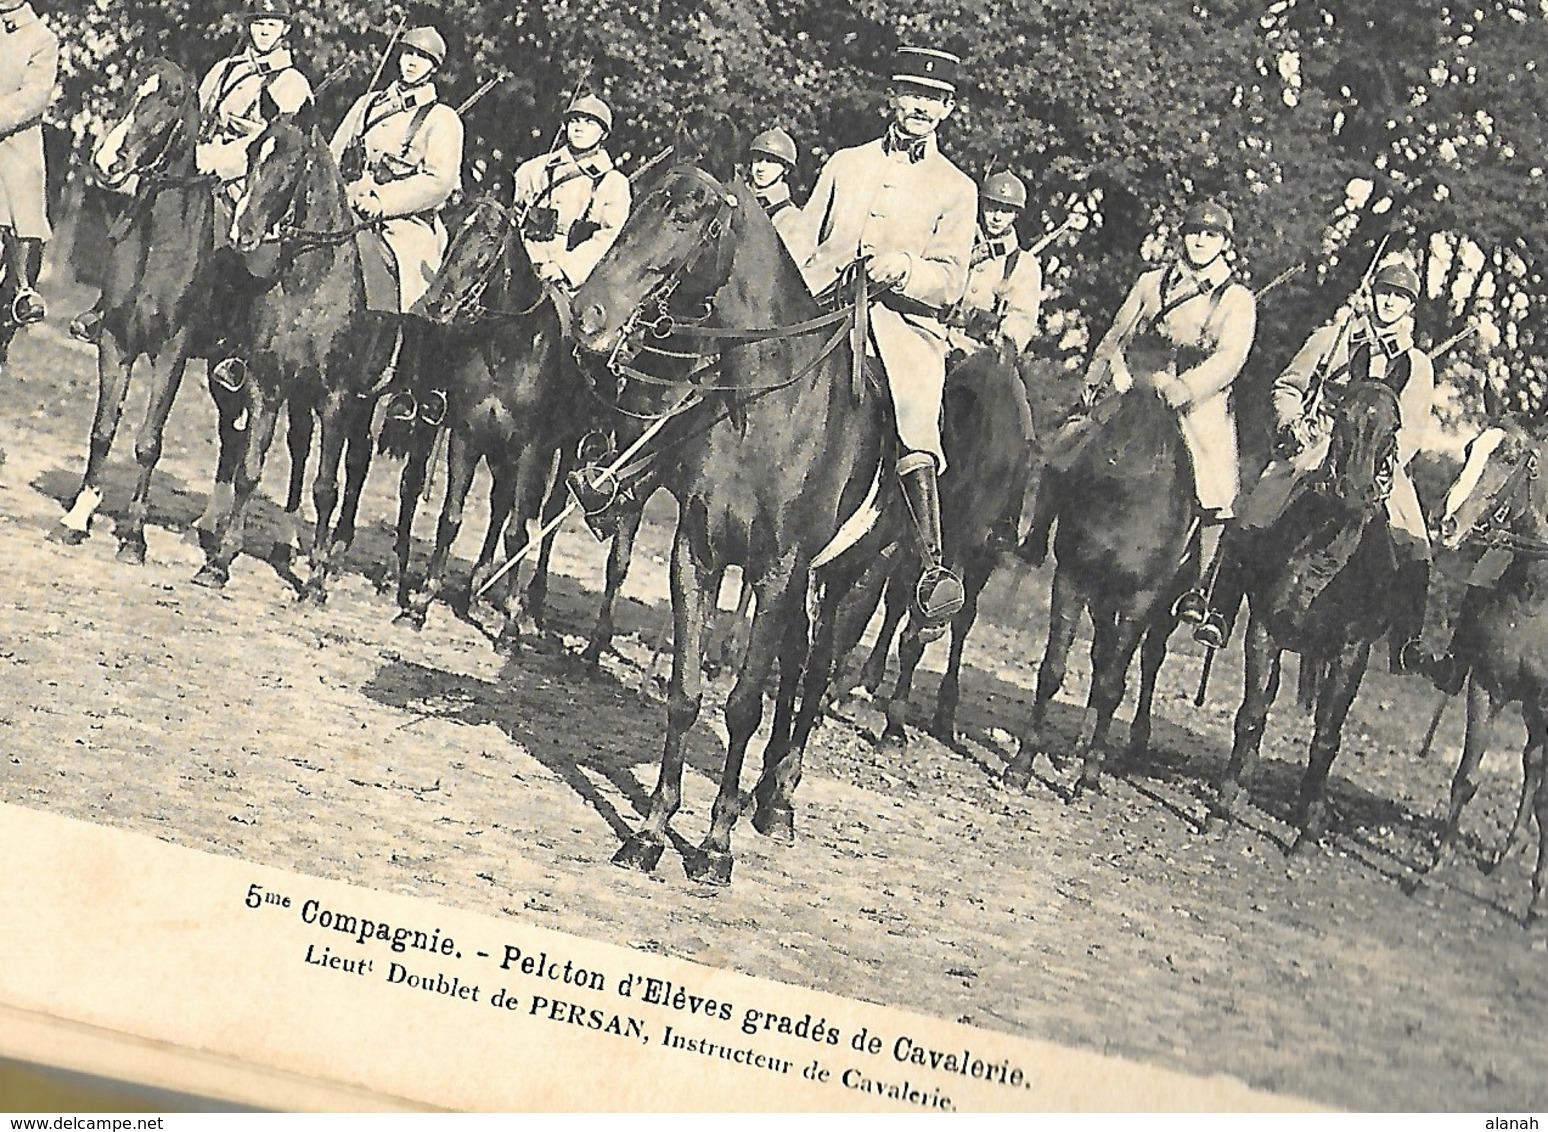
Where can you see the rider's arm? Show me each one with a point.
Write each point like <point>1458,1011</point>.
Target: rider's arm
<point>1416,406</point>
<point>290,91</point>
<point>1023,299</point>
<point>349,128</point>
<point>210,87</point>
<point>937,273</point>
<point>439,171</point>
<point>1238,321</point>
<point>609,210</point>
<point>1145,294</point>
<point>529,180</point>
<point>1291,386</point>
<point>26,104</point>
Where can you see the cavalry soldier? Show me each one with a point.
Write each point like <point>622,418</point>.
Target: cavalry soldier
<point>400,150</point>
<point>573,201</point>
<point>1005,282</point>
<point>1185,329</point>
<point>770,160</point>
<point>899,208</point>
<point>1372,339</point>
<point>29,62</point>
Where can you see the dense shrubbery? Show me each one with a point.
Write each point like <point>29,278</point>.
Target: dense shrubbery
<point>1324,124</point>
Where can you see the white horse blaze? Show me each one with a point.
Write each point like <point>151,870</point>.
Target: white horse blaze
<point>108,148</point>
<point>1482,447</point>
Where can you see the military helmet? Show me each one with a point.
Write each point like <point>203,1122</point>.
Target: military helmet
<point>1208,216</point>
<point>427,42</point>
<point>1396,276</point>
<point>775,143</point>
<point>590,106</point>
<point>269,10</point>
<point>1005,188</point>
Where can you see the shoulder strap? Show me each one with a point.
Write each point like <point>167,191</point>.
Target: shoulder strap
<point>1010,264</point>
<point>415,126</point>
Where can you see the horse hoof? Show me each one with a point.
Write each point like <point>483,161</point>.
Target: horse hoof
<point>777,823</point>
<point>639,854</point>
<point>1090,780</point>
<point>1303,846</point>
<point>314,595</point>
<point>410,618</point>
<point>944,730</point>
<point>1018,775</point>
<point>1537,913</point>
<point>894,738</point>
<point>709,867</point>
<point>67,536</point>
<point>212,577</point>
<point>131,553</point>
<point>282,555</point>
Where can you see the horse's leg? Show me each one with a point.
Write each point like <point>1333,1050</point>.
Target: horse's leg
<point>1112,652</point>
<point>502,497</point>
<point>1481,714</point>
<point>1152,656</point>
<point>774,816</point>
<point>744,711</point>
<point>357,466</point>
<point>536,598</point>
<point>894,607</point>
<point>1531,771</point>
<point>911,649</point>
<point>1538,909</point>
<point>690,584</point>
<point>461,463</point>
<point>229,413</point>
<point>325,495</point>
<point>1339,688</point>
<point>851,615</point>
<point>299,426</point>
<point>262,415</point>
<point>943,725</point>
<point>113,369</point>
<point>531,479</point>
<point>1064,610</point>
<point>166,377</point>
<point>1260,680</point>
<point>618,556</point>
<point>416,466</point>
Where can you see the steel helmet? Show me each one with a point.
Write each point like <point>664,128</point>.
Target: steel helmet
<point>775,143</point>
<point>1396,277</point>
<point>1208,216</point>
<point>269,10</point>
<point>427,42</point>
<point>1005,188</point>
<point>590,106</point>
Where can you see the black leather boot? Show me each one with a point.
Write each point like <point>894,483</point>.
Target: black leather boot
<point>27,306</point>
<point>939,594</point>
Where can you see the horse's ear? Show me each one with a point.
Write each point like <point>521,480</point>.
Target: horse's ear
<point>709,139</point>
<point>304,117</point>
<point>1495,405</point>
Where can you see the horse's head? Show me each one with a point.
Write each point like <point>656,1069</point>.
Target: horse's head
<point>1499,487</point>
<point>281,159</point>
<point>157,129</point>
<point>674,249</point>
<point>1362,449</point>
<point>486,255</point>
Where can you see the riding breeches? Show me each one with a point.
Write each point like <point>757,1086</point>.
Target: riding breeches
<point>913,353</point>
<point>1209,428</point>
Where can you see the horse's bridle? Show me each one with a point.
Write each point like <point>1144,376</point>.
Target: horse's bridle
<point>470,303</point>
<point>1506,504</point>
<point>1386,475</point>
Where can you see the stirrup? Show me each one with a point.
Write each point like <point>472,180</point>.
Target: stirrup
<point>230,374</point>
<point>938,595</point>
<point>1192,607</point>
<point>1211,631</point>
<point>87,326</point>
<point>1447,672</point>
<point>27,307</point>
<point>402,407</point>
<point>432,410</point>
<point>1412,659</point>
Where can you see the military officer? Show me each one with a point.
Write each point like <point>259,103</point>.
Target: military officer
<point>401,150</point>
<point>573,201</point>
<point>1372,339</point>
<point>770,160</point>
<point>902,210</point>
<point>29,63</point>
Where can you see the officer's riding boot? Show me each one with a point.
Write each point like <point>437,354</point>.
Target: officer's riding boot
<point>1406,654</point>
<point>27,306</point>
<point>1195,605</point>
<point>938,595</point>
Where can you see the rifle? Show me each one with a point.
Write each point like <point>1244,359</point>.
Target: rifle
<point>352,162</point>
<point>1435,352</point>
<point>1069,225</point>
<point>478,95</point>
<point>649,165</point>
<point>1284,276</point>
<point>1320,372</point>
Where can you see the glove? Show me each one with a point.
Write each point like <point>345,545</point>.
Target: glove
<point>889,269</point>
<point>1175,393</point>
<point>363,199</point>
<point>551,272</point>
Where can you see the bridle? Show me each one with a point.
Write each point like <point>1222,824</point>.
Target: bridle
<point>469,305</point>
<point>1506,505</point>
<point>291,236</point>
<point>1328,473</point>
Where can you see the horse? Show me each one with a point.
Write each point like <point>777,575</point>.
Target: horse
<point>1498,502</point>
<point>313,348</point>
<point>511,400</point>
<point>155,297</point>
<point>767,446</point>
<point>1320,580</point>
<point>985,477</point>
<point>1123,550</point>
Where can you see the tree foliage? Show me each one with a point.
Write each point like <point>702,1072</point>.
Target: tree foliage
<point>1324,124</point>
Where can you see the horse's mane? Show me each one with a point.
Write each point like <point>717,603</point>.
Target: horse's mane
<point>1140,424</point>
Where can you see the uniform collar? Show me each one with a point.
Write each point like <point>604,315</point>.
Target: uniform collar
<point>986,247</point>
<point>594,163</point>
<point>1394,339</point>
<point>1207,278</point>
<point>279,59</point>
<point>917,148</point>
<point>18,18</point>
<point>412,97</point>
<point>777,193</point>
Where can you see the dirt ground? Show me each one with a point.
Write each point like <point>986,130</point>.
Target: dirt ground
<point>335,744</point>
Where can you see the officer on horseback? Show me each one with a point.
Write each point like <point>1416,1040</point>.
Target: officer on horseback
<point>29,63</point>
<point>770,160</point>
<point>573,201</point>
<point>400,150</point>
<point>903,211</point>
<point>1185,330</point>
<point>1372,339</point>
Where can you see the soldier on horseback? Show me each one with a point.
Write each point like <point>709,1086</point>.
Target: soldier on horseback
<point>29,62</point>
<point>901,209</point>
<point>400,151</point>
<point>770,160</point>
<point>1185,329</point>
<point>1371,340</point>
<point>1005,281</point>
<point>573,201</point>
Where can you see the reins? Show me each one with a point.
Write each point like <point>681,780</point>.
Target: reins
<point>1492,532</point>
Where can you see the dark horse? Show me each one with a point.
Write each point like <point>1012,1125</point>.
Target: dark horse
<point>155,297</point>
<point>987,457</point>
<point>1120,548</point>
<point>1320,580</point>
<point>513,398</point>
<point>313,348</point>
<point>1500,503</point>
<point>766,449</point>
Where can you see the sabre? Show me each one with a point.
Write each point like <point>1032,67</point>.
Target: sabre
<point>649,165</point>
<point>612,469</point>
